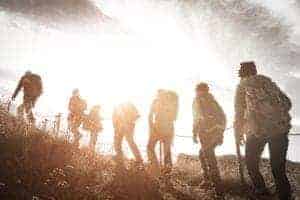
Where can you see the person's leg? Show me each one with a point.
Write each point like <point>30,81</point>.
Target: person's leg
<point>20,111</point>
<point>93,141</point>
<point>203,158</point>
<point>213,166</point>
<point>204,165</point>
<point>278,146</point>
<point>254,149</point>
<point>28,106</point>
<point>76,133</point>
<point>167,144</point>
<point>118,140</point>
<point>153,139</point>
<point>29,113</point>
<point>74,124</point>
<point>134,148</point>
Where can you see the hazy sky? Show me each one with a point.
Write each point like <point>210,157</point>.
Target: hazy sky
<point>151,45</point>
<point>149,49</point>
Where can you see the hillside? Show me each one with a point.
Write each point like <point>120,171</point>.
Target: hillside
<point>35,165</point>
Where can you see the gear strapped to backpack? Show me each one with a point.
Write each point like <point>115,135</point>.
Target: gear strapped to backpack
<point>166,106</point>
<point>213,121</point>
<point>267,107</point>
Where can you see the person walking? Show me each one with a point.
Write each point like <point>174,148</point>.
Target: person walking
<point>262,116</point>
<point>162,116</point>
<point>77,107</point>
<point>32,89</point>
<point>124,120</point>
<point>208,126</point>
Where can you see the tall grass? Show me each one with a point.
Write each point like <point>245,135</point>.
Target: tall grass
<point>36,165</point>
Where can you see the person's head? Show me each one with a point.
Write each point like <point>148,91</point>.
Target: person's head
<point>247,69</point>
<point>28,73</point>
<point>201,89</point>
<point>76,92</point>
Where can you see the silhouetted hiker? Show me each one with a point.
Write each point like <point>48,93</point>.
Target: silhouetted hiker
<point>162,116</point>
<point>92,123</point>
<point>124,118</point>
<point>32,89</point>
<point>208,126</point>
<point>262,114</point>
<point>77,107</point>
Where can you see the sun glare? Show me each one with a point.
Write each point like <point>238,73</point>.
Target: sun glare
<point>151,51</point>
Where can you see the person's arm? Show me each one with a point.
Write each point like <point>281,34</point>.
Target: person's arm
<point>196,120</point>
<point>221,118</point>
<point>240,106</point>
<point>287,103</point>
<point>72,104</point>
<point>115,118</point>
<point>135,113</point>
<point>18,88</point>
<point>151,116</point>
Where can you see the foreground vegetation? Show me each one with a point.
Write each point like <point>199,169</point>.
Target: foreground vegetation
<point>35,165</point>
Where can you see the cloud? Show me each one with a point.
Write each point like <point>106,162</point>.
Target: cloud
<point>289,10</point>
<point>59,14</point>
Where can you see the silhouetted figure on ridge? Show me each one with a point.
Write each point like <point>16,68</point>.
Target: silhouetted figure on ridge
<point>77,107</point>
<point>32,89</point>
<point>162,116</point>
<point>262,115</point>
<point>208,126</point>
<point>124,119</point>
<point>92,124</point>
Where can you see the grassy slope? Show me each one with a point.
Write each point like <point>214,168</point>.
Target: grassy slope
<point>33,163</point>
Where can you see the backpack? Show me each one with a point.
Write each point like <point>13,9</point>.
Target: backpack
<point>167,106</point>
<point>129,113</point>
<point>212,112</point>
<point>124,117</point>
<point>77,105</point>
<point>267,107</point>
<point>92,123</point>
<point>33,85</point>
<point>213,121</point>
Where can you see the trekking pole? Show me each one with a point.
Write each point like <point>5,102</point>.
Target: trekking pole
<point>9,105</point>
<point>160,153</point>
<point>57,124</point>
<point>239,157</point>
<point>44,125</point>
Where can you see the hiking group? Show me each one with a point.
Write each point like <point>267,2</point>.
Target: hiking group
<point>261,117</point>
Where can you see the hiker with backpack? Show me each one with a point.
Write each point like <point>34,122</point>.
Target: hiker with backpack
<point>208,127</point>
<point>262,116</point>
<point>92,123</point>
<point>124,119</point>
<point>163,114</point>
<point>32,89</point>
<point>77,107</point>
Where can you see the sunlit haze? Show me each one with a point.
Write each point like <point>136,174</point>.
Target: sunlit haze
<point>149,47</point>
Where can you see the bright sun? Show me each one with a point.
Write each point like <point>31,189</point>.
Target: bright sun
<point>109,68</point>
